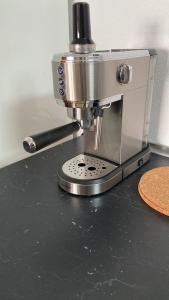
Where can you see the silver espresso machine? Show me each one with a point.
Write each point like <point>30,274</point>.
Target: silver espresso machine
<point>108,96</point>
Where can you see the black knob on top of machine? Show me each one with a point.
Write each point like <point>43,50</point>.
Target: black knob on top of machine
<point>81,24</point>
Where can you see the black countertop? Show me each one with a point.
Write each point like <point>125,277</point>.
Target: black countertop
<point>57,246</point>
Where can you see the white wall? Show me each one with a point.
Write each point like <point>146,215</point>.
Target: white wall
<point>30,33</point>
<point>139,24</point>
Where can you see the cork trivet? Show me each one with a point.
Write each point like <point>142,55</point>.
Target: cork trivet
<point>154,189</point>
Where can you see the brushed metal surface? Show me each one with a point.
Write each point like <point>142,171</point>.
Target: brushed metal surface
<point>85,167</point>
<point>125,125</point>
<point>109,146</point>
<point>92,77</point>
<point>82,48</point>
<point>136,162</point>
<point>91,81</point>
<point>122,128</point>
<point>133,118</point>
<point>89,187</point>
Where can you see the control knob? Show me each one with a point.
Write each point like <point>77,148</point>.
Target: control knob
<point>124,74</point>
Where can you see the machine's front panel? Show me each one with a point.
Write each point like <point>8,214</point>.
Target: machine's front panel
<point>79,83</point>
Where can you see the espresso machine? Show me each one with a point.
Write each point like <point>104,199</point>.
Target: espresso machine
<point>108,96</point>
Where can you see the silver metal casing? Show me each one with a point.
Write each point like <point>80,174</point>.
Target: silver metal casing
<point>120,84</point>
<point>86,78</point>
<point>91,80</point>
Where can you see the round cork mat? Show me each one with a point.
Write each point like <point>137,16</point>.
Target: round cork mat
<point>154,189</point>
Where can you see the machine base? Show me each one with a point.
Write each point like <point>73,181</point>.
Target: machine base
<point>86,175</point>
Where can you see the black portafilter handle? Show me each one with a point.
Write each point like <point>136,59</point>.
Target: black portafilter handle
<point>38,141</point>
<point>81,24</point>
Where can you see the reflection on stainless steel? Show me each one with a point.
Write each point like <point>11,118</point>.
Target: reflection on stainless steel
<point>109,93</point>
<point>97,202</point>
<point>89,78</point>
<point>82,48</point>
<point>84,116</point>
<point>98,132</point>
<point>89,187</point>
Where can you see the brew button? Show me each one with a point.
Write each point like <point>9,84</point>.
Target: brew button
<point>60,70</point>
<point>61,92</point>
<point>61,82</point>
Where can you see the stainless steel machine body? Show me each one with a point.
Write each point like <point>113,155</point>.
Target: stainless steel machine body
<point>91,81</point>
<point>108,94</point>
<point>117,83</point>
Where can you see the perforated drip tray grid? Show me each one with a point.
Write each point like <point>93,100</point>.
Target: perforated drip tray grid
<point>87,167</point>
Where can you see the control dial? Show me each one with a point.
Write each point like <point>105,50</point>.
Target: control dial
<point>124,74</point>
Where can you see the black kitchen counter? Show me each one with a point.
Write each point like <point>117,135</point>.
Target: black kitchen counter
<point>57,246</point>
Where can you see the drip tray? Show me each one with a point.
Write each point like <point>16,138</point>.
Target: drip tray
<point>87,167</point>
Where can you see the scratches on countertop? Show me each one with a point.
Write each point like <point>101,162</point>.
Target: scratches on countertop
<point>105,284</point>
<point>110,281</point>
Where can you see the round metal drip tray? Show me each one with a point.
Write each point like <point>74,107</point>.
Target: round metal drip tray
<point>87,167</point>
